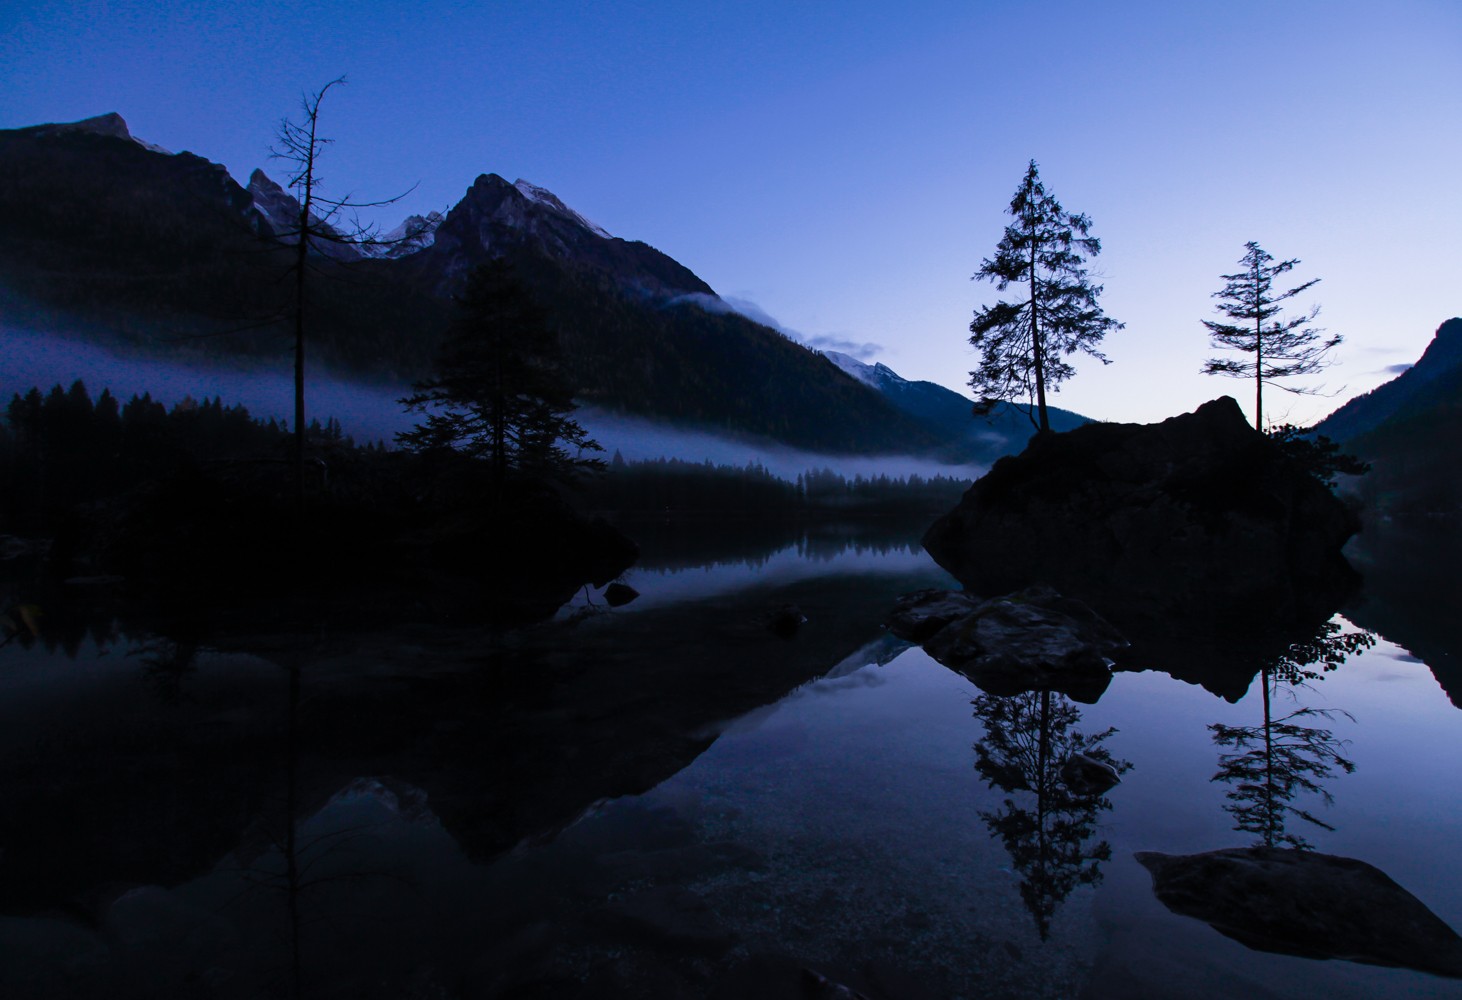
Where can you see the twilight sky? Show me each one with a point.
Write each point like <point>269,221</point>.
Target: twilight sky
<point>845,165</point>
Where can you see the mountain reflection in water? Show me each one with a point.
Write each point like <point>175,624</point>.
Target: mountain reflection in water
<point>664,799</point>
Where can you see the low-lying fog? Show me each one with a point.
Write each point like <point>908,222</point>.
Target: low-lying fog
<point>371,413</point>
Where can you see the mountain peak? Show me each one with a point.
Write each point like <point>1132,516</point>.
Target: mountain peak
<point>551,201</point>
<point>111,124</point>
<point>496,216</point>
<point>875,375</point>
<point>282,210</point>
<point>415,233</point>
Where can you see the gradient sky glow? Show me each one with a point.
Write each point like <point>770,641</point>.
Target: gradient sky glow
<point>845,165</point>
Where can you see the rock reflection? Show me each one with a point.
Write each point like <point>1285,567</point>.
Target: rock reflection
<point>1029,746</point>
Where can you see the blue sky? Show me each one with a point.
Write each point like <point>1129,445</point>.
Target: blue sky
<point>845,166</point>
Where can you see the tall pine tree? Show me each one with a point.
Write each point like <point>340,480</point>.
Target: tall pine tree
<point>1279,348</point>
<point>1023,344</point>
<point>498,391</point>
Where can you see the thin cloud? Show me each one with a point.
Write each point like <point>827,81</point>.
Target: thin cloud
<point>862,351</point>
<point>823,342</point>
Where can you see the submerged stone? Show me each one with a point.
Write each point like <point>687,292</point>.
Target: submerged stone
<point>1086,776</point>
<point>917,617</point>
<point>1032,640</point>
<point>669,916</point>
<point>1305,904</point>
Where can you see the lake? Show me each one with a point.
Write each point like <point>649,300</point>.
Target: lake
<point>671,799</point>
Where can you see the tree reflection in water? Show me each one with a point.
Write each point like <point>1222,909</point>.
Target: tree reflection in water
<point>166,666</point>
<point>1282,758</point>
<point>1027,739</point>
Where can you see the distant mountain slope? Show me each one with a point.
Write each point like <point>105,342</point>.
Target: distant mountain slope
<point>948,414</point>
<point>1417,387</point>
<point>1416,454</point>
<point>97,228</point>
<point>97,223</point>
<point>1410,430</point>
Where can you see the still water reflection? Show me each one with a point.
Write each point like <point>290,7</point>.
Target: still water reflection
<point>668,799</point>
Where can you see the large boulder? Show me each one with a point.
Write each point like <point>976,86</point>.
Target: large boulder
<point>1199,514</point>
<point>1306,904</point>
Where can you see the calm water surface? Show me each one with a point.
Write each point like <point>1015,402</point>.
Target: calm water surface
<point>444,812</point>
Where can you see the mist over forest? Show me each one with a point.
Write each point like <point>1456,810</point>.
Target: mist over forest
<point>369,412</point>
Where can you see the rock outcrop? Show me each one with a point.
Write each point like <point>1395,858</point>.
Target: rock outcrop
<point>1032,640</point>
<point>1197,515</point>
<point>1306,904</point>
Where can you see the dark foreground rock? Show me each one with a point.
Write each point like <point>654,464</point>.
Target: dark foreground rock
<point>202,533</point>
<point>1305,904</point>
<point>1200,514</point>
<point>1031,640</point>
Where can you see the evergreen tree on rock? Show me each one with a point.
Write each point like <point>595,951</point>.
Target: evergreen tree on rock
<point>1023,344</point>
<point>498,392</point>
<point>1280,348</point>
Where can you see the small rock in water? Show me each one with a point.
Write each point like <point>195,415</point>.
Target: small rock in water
<point>1031,640</point>
<point>785,621</point>
<point>619,594</point>
<point>1305,904</point>
<point>1086,776</point>
<point>920,615</point>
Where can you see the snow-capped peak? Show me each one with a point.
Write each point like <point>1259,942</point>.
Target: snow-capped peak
<point>549,200</point>
<point>876,376</point>
<point>415,233</point>
<point>282,210</point>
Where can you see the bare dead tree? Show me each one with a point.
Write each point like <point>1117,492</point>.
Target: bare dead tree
<point>319,226</point>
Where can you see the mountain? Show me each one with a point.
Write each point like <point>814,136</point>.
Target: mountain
<point>111,124</point>
<point>100,231</point>
<point>495,217</point>
<point>948,414</point>
<point>1421,385</point>
<point>1408,430</point>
